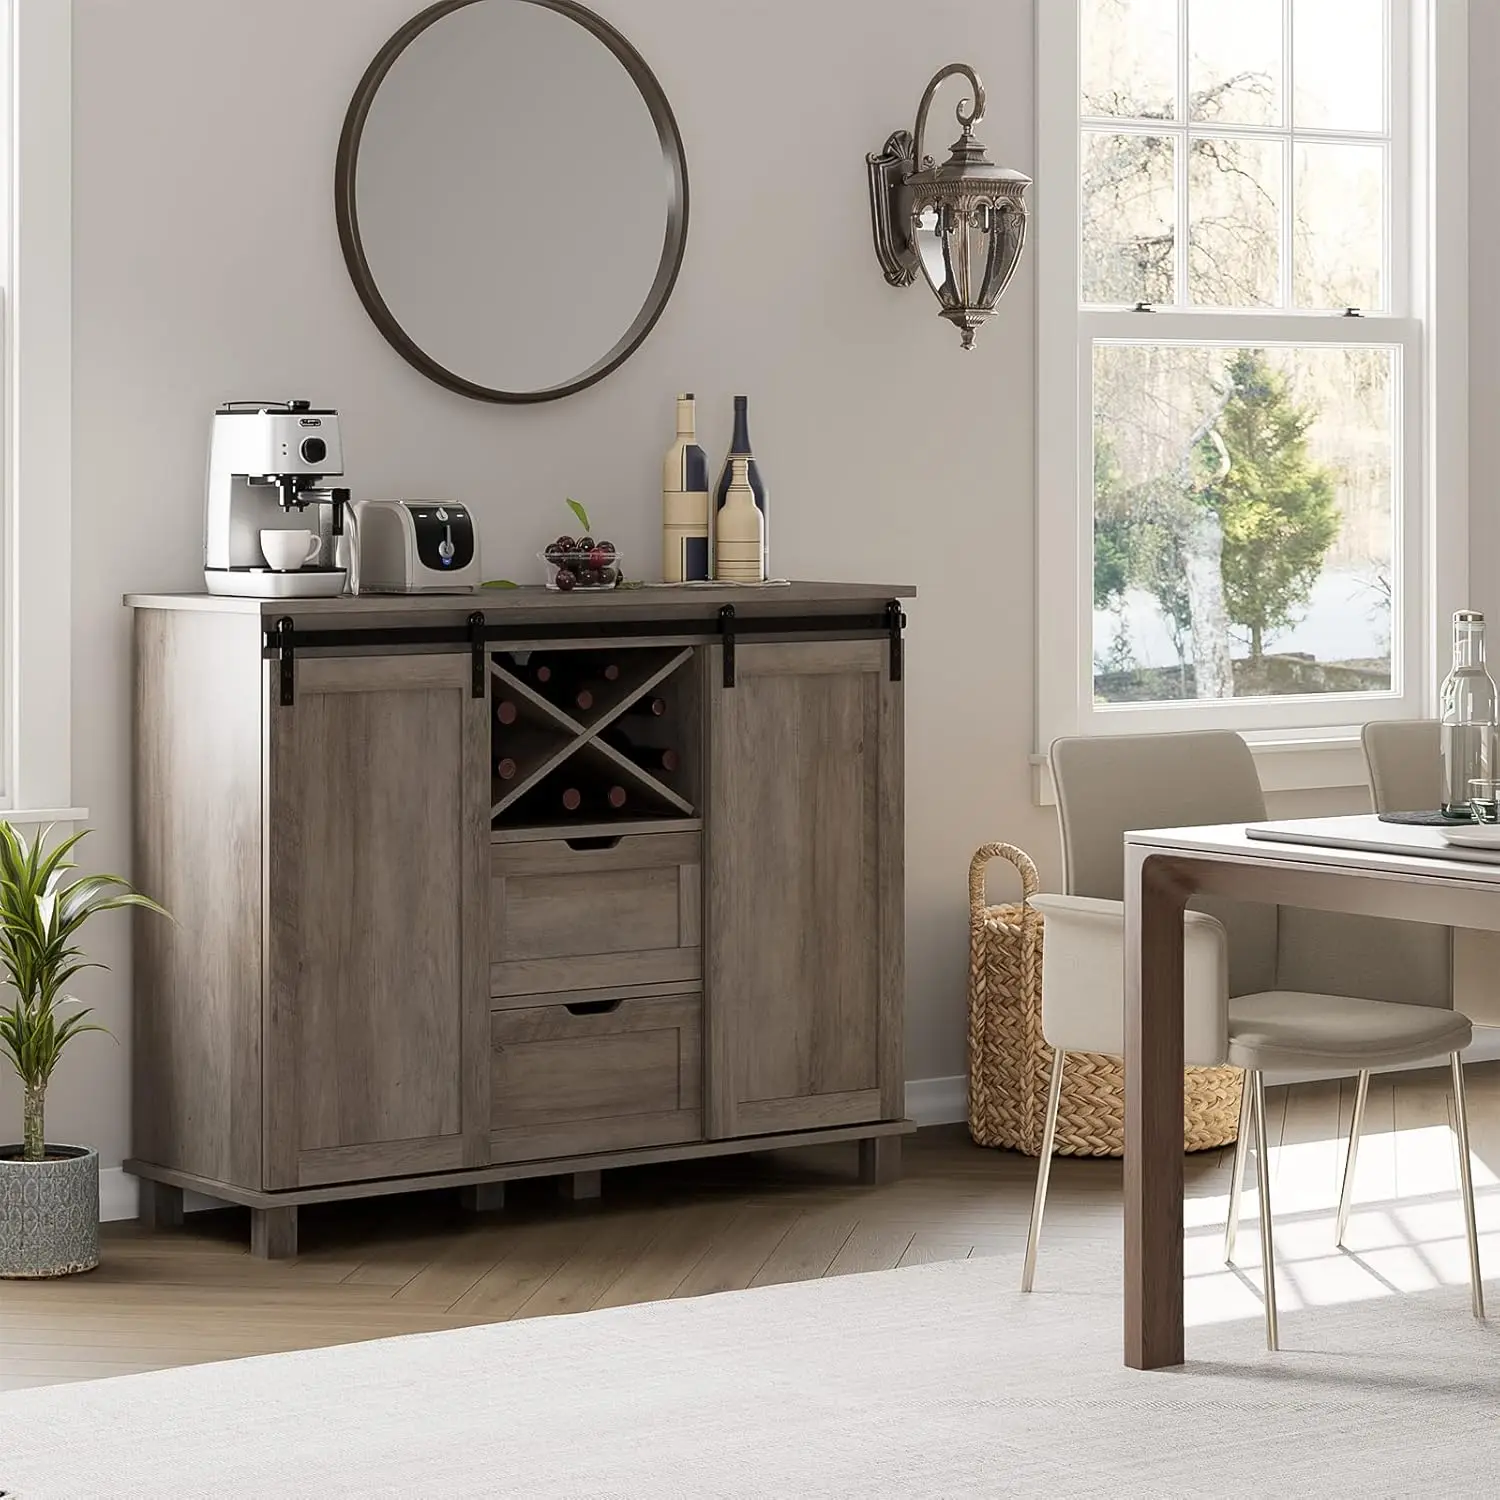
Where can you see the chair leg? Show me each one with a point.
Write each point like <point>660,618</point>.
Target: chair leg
<point>1346,1193</point>
<point>1236,1188</point>
<point>1043,1169</point>
<point>1263,1182</point>
<point>1466,1186</point>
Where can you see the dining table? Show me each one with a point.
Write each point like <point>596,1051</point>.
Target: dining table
<point>1360,865</point>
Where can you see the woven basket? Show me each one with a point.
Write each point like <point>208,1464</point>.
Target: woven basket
<point>1010,1066</point>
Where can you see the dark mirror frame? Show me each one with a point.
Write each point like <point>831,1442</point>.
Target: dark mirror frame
<point>347,206</point>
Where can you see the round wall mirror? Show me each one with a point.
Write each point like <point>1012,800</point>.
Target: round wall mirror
<point>512,197</point>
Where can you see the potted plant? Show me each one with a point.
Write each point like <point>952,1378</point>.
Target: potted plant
<point>49,1195</point>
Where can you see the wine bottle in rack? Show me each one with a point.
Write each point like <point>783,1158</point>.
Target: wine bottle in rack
<point>570,799</point>
<point>507,712</point>
<point>518,747</point>
<point>577,684</point>
<point>593,683</point>
<point>649,757</point>
<point>646,708</point>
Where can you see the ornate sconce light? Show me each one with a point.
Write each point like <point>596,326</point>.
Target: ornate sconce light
<point>962,223</point>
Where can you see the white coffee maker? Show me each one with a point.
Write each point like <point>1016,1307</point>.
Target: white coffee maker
<point>267,463</point>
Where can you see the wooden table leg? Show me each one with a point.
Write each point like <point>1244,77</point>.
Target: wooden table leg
<point>1155,900</point>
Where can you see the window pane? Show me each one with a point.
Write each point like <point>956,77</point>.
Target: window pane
<point>1129,218</point>
<point>1234,222</point>
<point>1129,57</point>
<point>1234,61</point>
<point>1339,228</point>
<point>1339,64</point>
<point>1244,522</point>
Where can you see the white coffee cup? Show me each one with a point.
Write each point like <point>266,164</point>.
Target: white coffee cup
<point>290,551</point>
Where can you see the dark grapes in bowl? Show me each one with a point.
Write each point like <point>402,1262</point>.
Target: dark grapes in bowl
<point>580,563</point>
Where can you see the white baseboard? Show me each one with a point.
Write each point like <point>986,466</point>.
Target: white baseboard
<point>938,1101</point>
<point>929,1101</point>
<point>119,1195</point>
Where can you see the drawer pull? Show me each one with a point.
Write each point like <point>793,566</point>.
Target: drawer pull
<point>584,846</point>
<point>594,1007</point>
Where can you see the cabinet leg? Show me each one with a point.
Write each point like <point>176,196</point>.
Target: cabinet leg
<point>161,1205</point>
<point>880,1160</point>
<point>581,1186</point>
<point>483,1198</point>
<point>273,1233</point>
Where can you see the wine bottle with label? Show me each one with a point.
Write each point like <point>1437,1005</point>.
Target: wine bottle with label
<point>739,537</point>
<point>684,502</point>
<point>740,448</point>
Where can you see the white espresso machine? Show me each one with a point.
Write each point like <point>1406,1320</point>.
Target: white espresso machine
<point>267,466</point>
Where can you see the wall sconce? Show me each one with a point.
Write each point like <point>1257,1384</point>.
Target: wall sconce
<point>962,223</point>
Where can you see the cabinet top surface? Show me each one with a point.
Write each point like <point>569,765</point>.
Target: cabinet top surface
<point>624,604</point>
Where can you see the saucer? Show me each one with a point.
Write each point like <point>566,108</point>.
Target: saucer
<point>1479,836</point>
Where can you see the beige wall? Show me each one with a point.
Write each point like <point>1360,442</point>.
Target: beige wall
<point>1484,304</point>
<point>207,267</point>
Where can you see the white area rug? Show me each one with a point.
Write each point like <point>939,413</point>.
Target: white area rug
<point>932,1383</point>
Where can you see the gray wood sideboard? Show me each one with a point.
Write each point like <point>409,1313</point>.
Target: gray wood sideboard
<point>400,962</point>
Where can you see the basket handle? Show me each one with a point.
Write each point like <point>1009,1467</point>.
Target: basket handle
<point>1030,881</point>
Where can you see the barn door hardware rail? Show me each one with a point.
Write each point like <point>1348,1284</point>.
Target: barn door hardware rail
<point>478,635</point>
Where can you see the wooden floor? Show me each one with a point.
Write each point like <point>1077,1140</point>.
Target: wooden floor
<point>409,1265</point>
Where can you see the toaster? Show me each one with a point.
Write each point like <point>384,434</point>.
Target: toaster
<point>413,547</point>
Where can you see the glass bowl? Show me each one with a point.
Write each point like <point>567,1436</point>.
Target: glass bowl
<point>573,572</point>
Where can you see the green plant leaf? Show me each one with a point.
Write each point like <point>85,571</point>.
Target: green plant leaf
<point>583,517</point>
<point>500,583</point>
<point>42,911</point>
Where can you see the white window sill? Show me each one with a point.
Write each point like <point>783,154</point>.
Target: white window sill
<point>1331,758</point>
<point>32,816</point>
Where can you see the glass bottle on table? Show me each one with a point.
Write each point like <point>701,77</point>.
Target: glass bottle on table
<point>1468,716</point>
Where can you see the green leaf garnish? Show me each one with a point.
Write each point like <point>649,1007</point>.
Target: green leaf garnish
<point>583,516</point>
<point>500,583</point>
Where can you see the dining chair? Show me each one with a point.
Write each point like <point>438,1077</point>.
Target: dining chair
<point>1404,758</point>
<point>1235,1008</point>
<point>1404,764</point>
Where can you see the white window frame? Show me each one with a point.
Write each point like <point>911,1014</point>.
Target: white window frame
<point>1426,319</point>
<point>36,551</point>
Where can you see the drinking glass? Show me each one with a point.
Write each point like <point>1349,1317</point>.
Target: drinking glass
<point>1484,800</point>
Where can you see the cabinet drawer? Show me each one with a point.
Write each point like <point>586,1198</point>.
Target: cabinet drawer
<point>625,912</point>
<point>571,1079</point>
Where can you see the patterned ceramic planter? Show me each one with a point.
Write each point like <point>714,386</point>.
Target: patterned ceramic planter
<point>49,1213</point>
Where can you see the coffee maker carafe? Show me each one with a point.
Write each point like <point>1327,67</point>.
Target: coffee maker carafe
<point>267,466</point>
